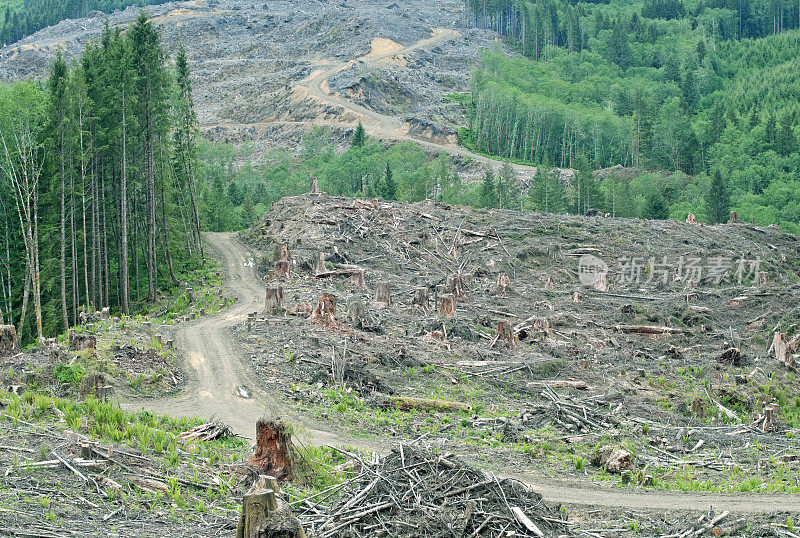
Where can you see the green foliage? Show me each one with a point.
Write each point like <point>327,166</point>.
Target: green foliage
<point>66,373</point>
<point>488,192</point>
<point>718,200</point>
<point>359,137</point>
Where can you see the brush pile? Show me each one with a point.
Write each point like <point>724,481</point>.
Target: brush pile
<point>415,492</point>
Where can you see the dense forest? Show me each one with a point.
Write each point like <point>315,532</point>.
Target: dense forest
<point>97,193</point>
<point>687,88</point>
<point>21,18</point>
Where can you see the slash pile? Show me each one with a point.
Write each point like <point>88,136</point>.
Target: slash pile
<point>415,492</point>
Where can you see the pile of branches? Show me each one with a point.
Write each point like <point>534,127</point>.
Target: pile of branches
<point>571,414</point>
<point>415,492</point>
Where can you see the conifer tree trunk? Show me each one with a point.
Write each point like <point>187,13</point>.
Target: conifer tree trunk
<point>123,233</point>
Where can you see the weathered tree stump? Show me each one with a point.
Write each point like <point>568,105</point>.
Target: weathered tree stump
<point>313,185</point>
<point>169,344</point>
<point>8,339</point>
<point>251,317</point>
<point>505,336</point>
<point>325,312</point>
<point>772,417</point>
<point>81,342</point>
<point>282,269</point>
<point>734,218</point>
<point>273,455</point>
<point>690,218</point>
<point>105,313</point>
<point>93,384</point>
<point>190,294</point>
<point>502,284</point>
<point>762,278</point>
<point>355,313</point>
<point>281,253</point>
<point>357,280</point>
<point>421,299</point>
<point>318,263</point>
<point>383,293</point>
<point>455,285</point>
<point>273,305</point>
<point>783,348</point>
<point>265,514</point>
<point>576,297</point>
<point>447,305</point>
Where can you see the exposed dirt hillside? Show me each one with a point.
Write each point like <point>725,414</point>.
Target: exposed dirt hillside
<point>268,71</point>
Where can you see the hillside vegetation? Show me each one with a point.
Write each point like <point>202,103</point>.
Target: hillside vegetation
<point>687,87</point>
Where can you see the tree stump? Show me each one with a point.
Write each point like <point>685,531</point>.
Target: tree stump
<point>105,313</point>
<point>273,305</point>
<point>504,336</point>
<point>690,218</point>
<point>772,417</point>
<point>325,312</point>
<point>421,299</point>
<point>190,294</point>
<point>273,455</point>
<point>783,348</point>
<point>8,339</point>
<point>281,253</point>
<point>251,317</point>
<point>447,305</point>
<point>81,342</point>
<point>455,285</point>
<point>282,269</point>
<point>357,280</point>
<point>762,278</point>
<point>318,263</point>
<point>734,218</point>
<point>265,514</point>
<point>313,185</point>
<point>355,313</point>
<point>576,297</point>
<point>383,293</point>
<point>502,284</point>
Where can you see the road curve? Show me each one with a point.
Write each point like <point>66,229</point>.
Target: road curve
<point>216,366</point>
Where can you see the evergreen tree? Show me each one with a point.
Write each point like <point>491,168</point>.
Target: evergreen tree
<point>771,129</point>
<point>488,192</point>
<point>619,51</point>
<point>718,202</point>
<point>359,137</point>
<point>248,211</point>
<point>786,141</point>
<point>655,207</point>
<point>507,187</point>
<point>754,120</point>
<point>389,186</point>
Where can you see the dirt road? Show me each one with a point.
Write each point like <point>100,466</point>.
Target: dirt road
<point>216,367</point>
<point>214,362</point>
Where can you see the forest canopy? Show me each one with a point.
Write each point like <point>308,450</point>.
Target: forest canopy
<point>97,189</point>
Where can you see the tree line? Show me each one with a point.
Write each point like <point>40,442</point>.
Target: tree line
<point>20,19</point>
<point>97,183</point>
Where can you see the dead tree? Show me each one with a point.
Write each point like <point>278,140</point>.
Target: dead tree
<point>505,336</point>
<point>383,293</point>
<point>318,263</point>
<point>8,339</point>
<point>265,514</point>
<point>273,304</point>
<point>447,305</point>
<point>313,185</point>
<point>273,454</point>
<point>421,299</point>
<point>325,312</point>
